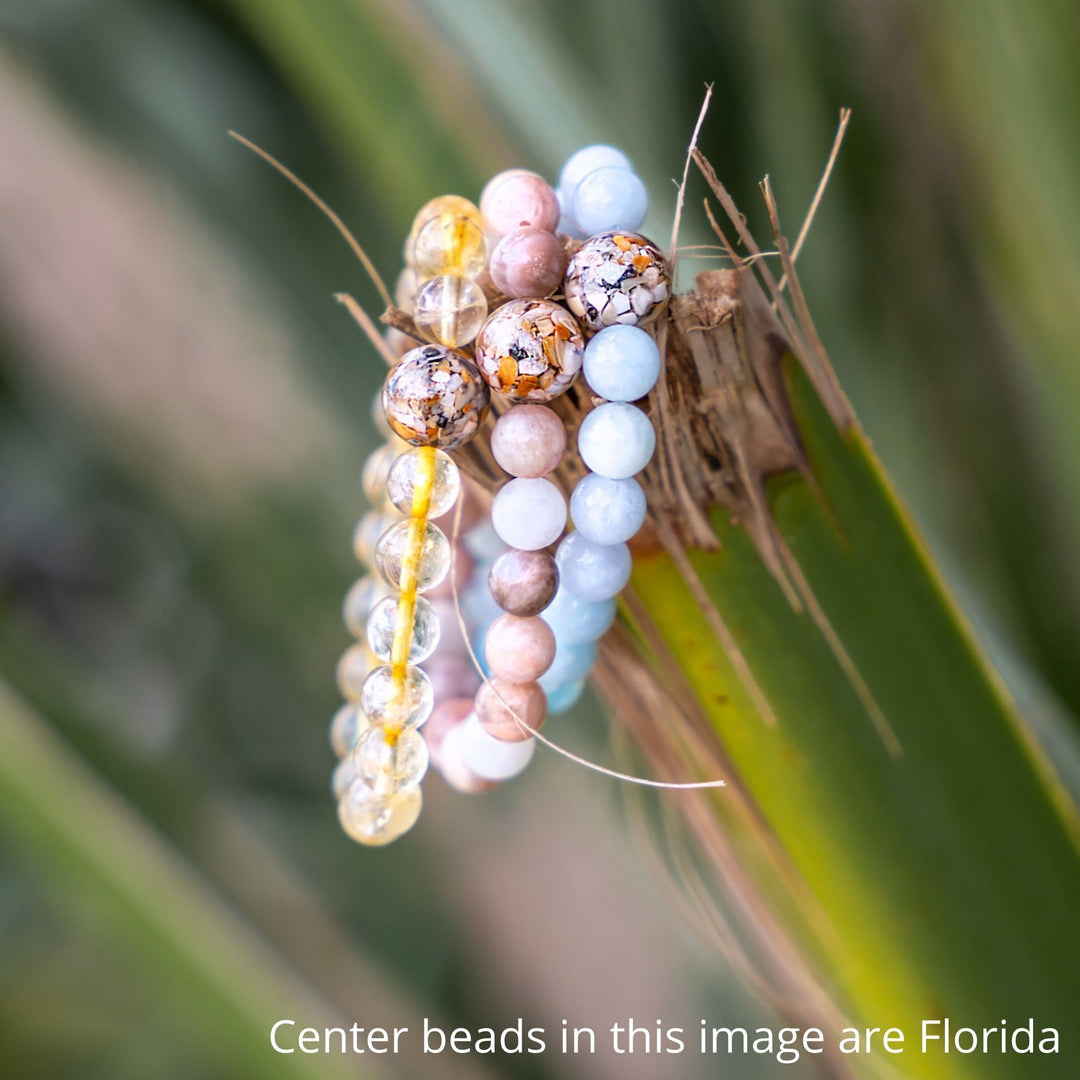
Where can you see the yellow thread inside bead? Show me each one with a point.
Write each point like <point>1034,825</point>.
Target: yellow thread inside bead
<point>406,612</point>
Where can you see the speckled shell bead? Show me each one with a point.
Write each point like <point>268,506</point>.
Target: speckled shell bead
<point>435,396</point>
<point>497,702</point>
<point>528,262</point>
<point>523,582</point>
<point>519,649</point>
<point>528,440</point>
<point>517,197</point>
<point>617,277</point>
<point>530,350</point>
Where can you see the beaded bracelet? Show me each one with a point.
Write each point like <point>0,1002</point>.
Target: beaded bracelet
<point>538,616</point>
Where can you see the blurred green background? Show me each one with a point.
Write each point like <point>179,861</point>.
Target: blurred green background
<point>184,412</point>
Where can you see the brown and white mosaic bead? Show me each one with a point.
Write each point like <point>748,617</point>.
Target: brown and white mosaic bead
<point>434,396</point>
<point>530,350</point>
<point>617,277</point>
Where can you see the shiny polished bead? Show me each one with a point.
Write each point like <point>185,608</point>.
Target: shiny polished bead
<point>607,511</point>
<point>359,600</point>
<point>584,161</point>
<point>389,765</point>
<point>622,363</point>
<point>523,582</point>
<point>352,669</point>
<point>449,244</point>
<point>592,571</point>
<point>453,768</point>
<point>387,704</point>
<point>519,649</point>
<point>528,440</point>
<point>433,208</point>
<point>378,417</point>
<point>348,725</point>
<point>617,277</point>
<point>401,482</point>
<point>382,627</point>
<point>491,758</point>
<point>395,545</point>
<point>530,350</point>
<point>529,514</point>
<point>435,396</point>
<point>366,535</point>
<point>405,289</point>
<point>610,198</point>
<point>575,620</point>
<point>564,697</point>
<point>616,440</point>
<point>501,704</point>
<point>450,309</point>
<point>343,777</point>
<point>572,663</point>
<point>373,819</point>
<point>376,469</point>
<point>461,568</point>
<point>517,198</point>
<point>528,262</point>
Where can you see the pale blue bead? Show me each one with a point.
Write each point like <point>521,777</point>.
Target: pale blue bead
<point>586,160</point>
<point>564,697</point>
<point>572,662</point>
<point>590,570</point>
<point>622,363</point>
<point>610,198</point>
<point>616,440</point>
<point>576,621</point>
<point>477,604</point>
<point>567,225</point>
<point>607,511</point>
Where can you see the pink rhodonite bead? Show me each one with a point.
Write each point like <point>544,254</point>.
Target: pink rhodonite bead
<point>523,582</point>
<point>528,440</point>
<point>518,197</point>
<point>528,262</point>
<point>499,699</point>
<point>519,649</point>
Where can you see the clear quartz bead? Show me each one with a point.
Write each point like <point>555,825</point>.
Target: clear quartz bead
<point>449,243</point>
<point>362,596</point>
<point>401,482</point>
<point>391,765</point>
<point>450,309</point>
<point>376,469</point>
<point>382,626</point>
<point>343,778</point>
<point>348,725</point>
<point>394,546</point>
<point>373,818</point>
<point>388,703</point>
<point>353,668</point>
<point>367,532</point>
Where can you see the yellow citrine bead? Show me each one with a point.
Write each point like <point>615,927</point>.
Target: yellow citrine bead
<point>373,818</point>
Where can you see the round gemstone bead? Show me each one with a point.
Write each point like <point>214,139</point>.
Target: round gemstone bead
<point>449,243</point>
<point>529,513</point>
<point>491,758</point>
<point>584,161</point>
<point>523,582</point>
<point>616,440</point>
<point>575,620</point>
<point>517,198</point>
<point>405,289</point>
<point>366,535</point>
<point>617,277</point>
<point>348,725</point>
<point>433,208</point>
<point>528,262</point>
<point>592,571</point>
<point>395,544</point>
<point>446,715</point>
<point>519,649</point>
<point>607,511</point>
<point>359,600</point>
<point>528,440</point>
<point>610,198</point>
<point>390,765</point>
<point>376,468</point>
<point>452,764</point>
<point>352,670</point>
<point>450,309</point>
<point>382,625</point>
<point>564,697</point>
<point>373,819</point>
<point>435,396</point>
<point>401,483</point>
<point>622,363</point>
<point>387,704</point>
<point>343,777</point>
<point>572,663</point>
<point>500,704</point>
<point>530,350</point>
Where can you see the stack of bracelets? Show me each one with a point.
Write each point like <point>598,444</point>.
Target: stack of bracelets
<point>568,289</point>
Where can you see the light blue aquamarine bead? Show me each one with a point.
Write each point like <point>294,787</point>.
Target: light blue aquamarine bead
<point>607,511</point>
<point>586,160</point>
<point>610,198</point>
<point>564,697</point>
<point>622,363</point>
<point>616,440</point>
<point>567,225</point>
<point>571,663</point>
<point>590,570</point>
<point>477,604</point>
<point>576,621</point>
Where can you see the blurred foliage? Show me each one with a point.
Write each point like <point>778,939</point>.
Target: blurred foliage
<point>174,617</point>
